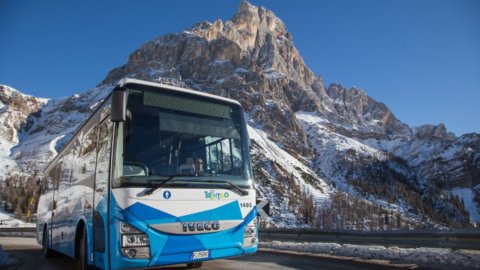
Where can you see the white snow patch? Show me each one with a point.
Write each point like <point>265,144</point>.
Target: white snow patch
<point>421,256</point>
<point>8,220</point>
<point>53,143</point>
<point>220,61</point>
<point>330,141</point>
<point>241,70</point>
<point>271,73</point>
<point>449,153</point>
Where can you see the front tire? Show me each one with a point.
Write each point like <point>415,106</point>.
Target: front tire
<point>81,258</point>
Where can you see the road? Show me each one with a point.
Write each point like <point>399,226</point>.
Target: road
<point>29,253</point>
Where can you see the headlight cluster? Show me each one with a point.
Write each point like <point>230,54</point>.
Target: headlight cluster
<point>250,234</point>
<point>135,244</point>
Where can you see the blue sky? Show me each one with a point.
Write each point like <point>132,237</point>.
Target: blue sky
<point>421,58</point>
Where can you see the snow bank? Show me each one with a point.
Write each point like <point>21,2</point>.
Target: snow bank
<point>422,256</point>
<point>7,220</point>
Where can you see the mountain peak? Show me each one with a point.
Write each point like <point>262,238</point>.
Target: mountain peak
<point>248,28</point>
<point>246,6</point>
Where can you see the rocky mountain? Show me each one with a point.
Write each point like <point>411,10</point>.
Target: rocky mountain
<point>319,153</point>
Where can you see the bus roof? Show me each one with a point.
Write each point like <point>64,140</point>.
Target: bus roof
<point>128,81</point>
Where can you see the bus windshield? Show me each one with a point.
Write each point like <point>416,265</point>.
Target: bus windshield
<point>183,138</point>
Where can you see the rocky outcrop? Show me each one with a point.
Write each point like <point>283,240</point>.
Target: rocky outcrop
<point>15,111</point>
<point>429,132</point>
<point>361,115</point>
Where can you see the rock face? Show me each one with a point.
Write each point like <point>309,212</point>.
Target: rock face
<point>16,108</point>
<point>306,139</point>
<point>361,115</point>
<point>250,58</point>
<point>17,112</point>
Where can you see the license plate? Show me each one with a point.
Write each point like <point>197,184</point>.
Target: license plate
<point>200,254</point>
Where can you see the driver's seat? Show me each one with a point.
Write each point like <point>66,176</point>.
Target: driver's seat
<point>188,167</point>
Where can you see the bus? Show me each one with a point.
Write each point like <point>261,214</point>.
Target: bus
<point>157,175</point>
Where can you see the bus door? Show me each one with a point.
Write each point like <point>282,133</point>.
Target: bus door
<point>100,218</point>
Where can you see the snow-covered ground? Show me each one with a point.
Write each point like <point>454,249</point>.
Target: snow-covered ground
<point>9,220</point>
<point>432,257</point>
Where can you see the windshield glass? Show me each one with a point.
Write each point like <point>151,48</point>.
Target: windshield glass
<point>191,138</point>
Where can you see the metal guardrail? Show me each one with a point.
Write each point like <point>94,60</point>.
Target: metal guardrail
<point>17,232</point>
<point>443,239</point>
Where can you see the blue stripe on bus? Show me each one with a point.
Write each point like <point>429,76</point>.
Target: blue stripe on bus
<point>229,211</point>
<point>151,215</point>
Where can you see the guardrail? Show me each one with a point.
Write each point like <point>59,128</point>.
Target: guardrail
<point>17,232</point>
<point>442,239</point>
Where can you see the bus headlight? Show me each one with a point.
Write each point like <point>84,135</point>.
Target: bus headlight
<point>250,234</point>
<point>135,240</point>
<point>135,244</point>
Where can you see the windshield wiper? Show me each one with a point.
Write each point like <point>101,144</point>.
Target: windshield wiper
<point>242,191</point>
<point>156,185</point>
<point>159,184</point>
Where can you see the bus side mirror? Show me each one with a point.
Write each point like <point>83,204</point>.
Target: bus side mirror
<point>119,106</point>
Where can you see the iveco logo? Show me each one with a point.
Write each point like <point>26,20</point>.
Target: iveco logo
<point>201,226</point>
<point>197,227</point>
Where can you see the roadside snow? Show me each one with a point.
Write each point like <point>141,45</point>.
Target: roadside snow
<point>421,256</point>
<point>8,220</point>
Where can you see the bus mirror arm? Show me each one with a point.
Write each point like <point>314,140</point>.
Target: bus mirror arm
<point>119,106</point>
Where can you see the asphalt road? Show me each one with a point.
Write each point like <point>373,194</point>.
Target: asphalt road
<point>29,253</point>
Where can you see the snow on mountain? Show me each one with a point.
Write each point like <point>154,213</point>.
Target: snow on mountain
<point>30,138</point>
<point>277,171</point>
<point>467,195</point>
<point>15,110</point>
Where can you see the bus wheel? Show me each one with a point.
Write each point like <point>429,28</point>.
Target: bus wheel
<point>194,265</point>
<point>81,258</point>
<point>47,252</point>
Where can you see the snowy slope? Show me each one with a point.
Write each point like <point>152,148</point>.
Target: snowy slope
<point>15,108</point>
<point>280,171</point>
<point>271,151</point>
<point>467,195</point>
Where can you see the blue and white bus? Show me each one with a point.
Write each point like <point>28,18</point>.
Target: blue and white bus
<point>157,175</point>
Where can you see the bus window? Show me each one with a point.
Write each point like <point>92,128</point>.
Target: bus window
<point>103,161</point>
